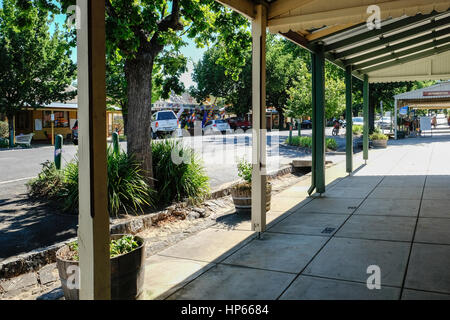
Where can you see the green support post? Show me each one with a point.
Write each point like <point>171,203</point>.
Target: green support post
<point>318,121</point>
<point>366,118</point>
<point>58,150</point>
<point>348,119</point>
<point>115,138</point>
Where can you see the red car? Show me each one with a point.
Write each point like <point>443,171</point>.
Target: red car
<point>239,123</point>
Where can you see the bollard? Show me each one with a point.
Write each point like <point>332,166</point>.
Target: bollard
<point>115,138</point>
<point>290,133</point>
<point>58,151</point>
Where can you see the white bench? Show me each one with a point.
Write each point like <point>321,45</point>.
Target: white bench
<point>25,139</point>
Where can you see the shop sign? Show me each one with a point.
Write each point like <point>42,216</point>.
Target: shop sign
<point>436,93</point>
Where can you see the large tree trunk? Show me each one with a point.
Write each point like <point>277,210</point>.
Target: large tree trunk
<point>125,120</point>
<point>139,78</point>
<point>11,129</point>
<point>280,118</point>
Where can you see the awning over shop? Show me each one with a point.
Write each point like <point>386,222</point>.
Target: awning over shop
<point>433,97</point>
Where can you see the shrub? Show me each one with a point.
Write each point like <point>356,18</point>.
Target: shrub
<point>4,143</point>
<point>178,172</point>
<point>245,170</point>
<point>306,142</point>
<point>378,136</point>
<point>117,247</point>
<point>127,190</point>
<point>49,184</point>
<point>331,144</point>
<point>4,129</point>
<point>357,129</point>
<point>303,141</point>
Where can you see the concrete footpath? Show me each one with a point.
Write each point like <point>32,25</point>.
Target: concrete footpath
<point>389,219</point>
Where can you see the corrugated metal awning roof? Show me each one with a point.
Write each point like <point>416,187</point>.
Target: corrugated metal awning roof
<point>411,31</point>
<point>437,91</point>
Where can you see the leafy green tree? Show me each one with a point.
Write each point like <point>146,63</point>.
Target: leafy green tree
<point>148,33</point>
<point>35,64</point>
<point>300,100</point>
<point>213,79</point>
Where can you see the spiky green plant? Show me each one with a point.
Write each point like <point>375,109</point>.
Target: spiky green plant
<point>178,172</point>
<point>127,189</point>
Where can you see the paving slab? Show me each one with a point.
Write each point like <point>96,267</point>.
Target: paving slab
<point>379,228</point>
<point>438,181</point>
<point>278,252</point>
<point>210,245</point>
<point>436,193</point>
<point>433,230</point>
<point>348,192</point>
<point>389,207</point>
<point>235,221</point>
<point>313,288</point>
<point>409,294</point>
<point>224,282</point>
<point>412,193</point>
<point>165,275</point>
<point>319,224</point>
<point>348,259</point>
<point>360,181</point>
<point>332,205</point>
<point>403,181</point>
<point>433,208</point>
<point>428,268</point>
<point>279,203</point>
<point>48,273</point>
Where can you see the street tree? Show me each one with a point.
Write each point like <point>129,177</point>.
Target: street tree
<point>143,32</point>
<point>35,64</point>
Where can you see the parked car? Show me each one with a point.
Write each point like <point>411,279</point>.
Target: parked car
<point>75,133</point>
<point>306,124</point>
<point>384,123</point>
<point>239,123</point>
<point>163,123</point>
<point>215,126</point>
<point>358,121</point>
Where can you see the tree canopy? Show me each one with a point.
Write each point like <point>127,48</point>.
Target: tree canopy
<point>145,37</point>
<point>35,64</point>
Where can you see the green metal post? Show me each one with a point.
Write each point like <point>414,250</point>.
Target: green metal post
<point>348,119</point>
<point>115,138</point>
<point>318,121</point>
<point>290,133</point>
<point>58,150</point>
<point>366,117</point>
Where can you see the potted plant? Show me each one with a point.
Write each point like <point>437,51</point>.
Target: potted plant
<point>379,140</point>
<point>127,254</point>
<point>242,192</point>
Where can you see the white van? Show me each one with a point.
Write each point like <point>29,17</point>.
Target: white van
<point>163,123</point>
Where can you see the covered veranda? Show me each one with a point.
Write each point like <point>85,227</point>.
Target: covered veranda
<point>410,32</point>
<point>436,97</point>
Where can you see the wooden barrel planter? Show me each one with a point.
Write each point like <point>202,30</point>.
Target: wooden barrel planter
<point>127,272</point>
<point>242,197</point>
<point>379,144</point>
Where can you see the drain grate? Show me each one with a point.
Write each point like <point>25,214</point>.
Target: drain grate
<point>328,230</point>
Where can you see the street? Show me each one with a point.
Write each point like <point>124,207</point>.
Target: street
<point>219,154</point>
